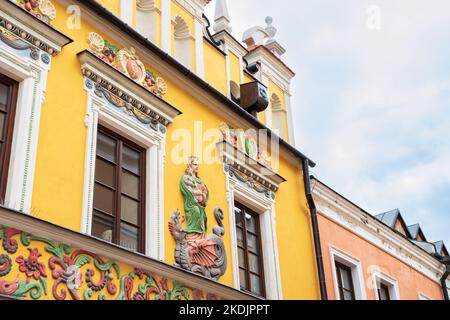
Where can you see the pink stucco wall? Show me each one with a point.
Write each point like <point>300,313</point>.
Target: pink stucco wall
<point>410,282</point>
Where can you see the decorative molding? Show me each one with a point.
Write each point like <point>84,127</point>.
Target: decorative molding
<point>29,66</point>
<point>128,62</point>
<point>18,25</point>
<point>56,263</point>
<point>102,110</point>
<point>265,206</point>
<point>42,9</point>
<point>248,171</point>
<point>377,277</point>
<point>246,143</point>
<point>357,273</point>
<point>341,211</point>
<point>145,105</point>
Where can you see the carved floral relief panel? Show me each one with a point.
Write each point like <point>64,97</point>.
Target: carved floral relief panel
<point>33,267</point>
<point>41,9</point>
<point>128,62</point>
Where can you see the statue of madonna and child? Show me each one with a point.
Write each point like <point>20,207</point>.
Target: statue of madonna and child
<point>195,250</point>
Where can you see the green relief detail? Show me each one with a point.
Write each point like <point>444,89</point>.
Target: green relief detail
<point>44,284</point>
<point>82,260</point>
<point>178,292</point>
<point>24,288</point>
<point>196,220</point>
<point>69,267</point>
<point>87,294</point>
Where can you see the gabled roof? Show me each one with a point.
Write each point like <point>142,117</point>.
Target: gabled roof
<point>440,248</point>
<point>428,247</point>
<point>391,219</point>
<point>416,231</point>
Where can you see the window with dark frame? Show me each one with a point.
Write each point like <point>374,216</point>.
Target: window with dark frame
<point>8,101</point>
<point>119,192</point>
<point>248,231</point>
<point>345,282</point>
<point>383,292</point>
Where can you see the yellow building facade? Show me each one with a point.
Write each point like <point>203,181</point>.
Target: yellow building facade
<point>152,81</point>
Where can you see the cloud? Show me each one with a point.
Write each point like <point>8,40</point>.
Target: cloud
<point>370,106</point>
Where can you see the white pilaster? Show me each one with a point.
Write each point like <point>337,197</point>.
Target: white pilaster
<point>199,54</point>
<point>166,26</point>
<point>126,11</point>
<point>290,119</point>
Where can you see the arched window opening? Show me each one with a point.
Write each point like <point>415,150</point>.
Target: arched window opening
<point>278,115</point>
<point>182,42</point>
<point>146,18</point>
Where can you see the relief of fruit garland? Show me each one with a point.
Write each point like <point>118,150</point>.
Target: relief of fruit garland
<point>65,266</point>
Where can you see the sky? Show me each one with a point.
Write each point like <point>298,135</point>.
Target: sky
<point>371,98</point>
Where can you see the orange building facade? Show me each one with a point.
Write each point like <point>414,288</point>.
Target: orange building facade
<point>369,257</point>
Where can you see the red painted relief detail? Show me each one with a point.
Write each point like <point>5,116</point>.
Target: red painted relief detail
<point>75,273</point>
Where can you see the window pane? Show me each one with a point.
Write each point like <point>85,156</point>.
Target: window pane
<point>252,243</point>
<point>102,226</point>
<point>131,160</point>
<point>240,237</point>
<point>238,216</point>
<point>4,90</point>
<point>254,263</point>
<point>104,199</point>
<point>130,185</point>
<point>241,255</point>
<point>251,223</point>
<point>129,210</point>
<point>383,292</point>
<point>128,237</point>
<point>255,284</point>
<point>105,173</point>
<point>2,124</point>
<point>348,295</point>
<point>106,147</point>
<point>346,279</point>
<point>243,279</point>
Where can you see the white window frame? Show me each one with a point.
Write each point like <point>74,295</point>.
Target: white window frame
<point>423,296</point>
<point>377,277</point>
<point>265,207</point>
<point>357,273</point>
<point>32,77</point>
<point>100,111</point>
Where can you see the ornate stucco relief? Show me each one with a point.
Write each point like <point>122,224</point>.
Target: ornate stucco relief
<point>195,250</point>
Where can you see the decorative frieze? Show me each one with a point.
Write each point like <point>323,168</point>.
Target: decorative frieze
<point>22,31</point>
<point>245,143</point>
<point>33,267</point>
<point>42,9</point>
<point>19,39</point>
<point>128,62</point>
<point>252,180</point>
<point>123,92</point>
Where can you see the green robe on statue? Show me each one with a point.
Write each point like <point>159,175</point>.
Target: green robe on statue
<point>196,220</point>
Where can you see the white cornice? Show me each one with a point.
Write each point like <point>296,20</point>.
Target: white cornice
<point>194,7</point>
<point>271,64</point>
<point>231,42</point>
<point>31,29</point>
<point>143,100</point>
<point>349,216</point>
